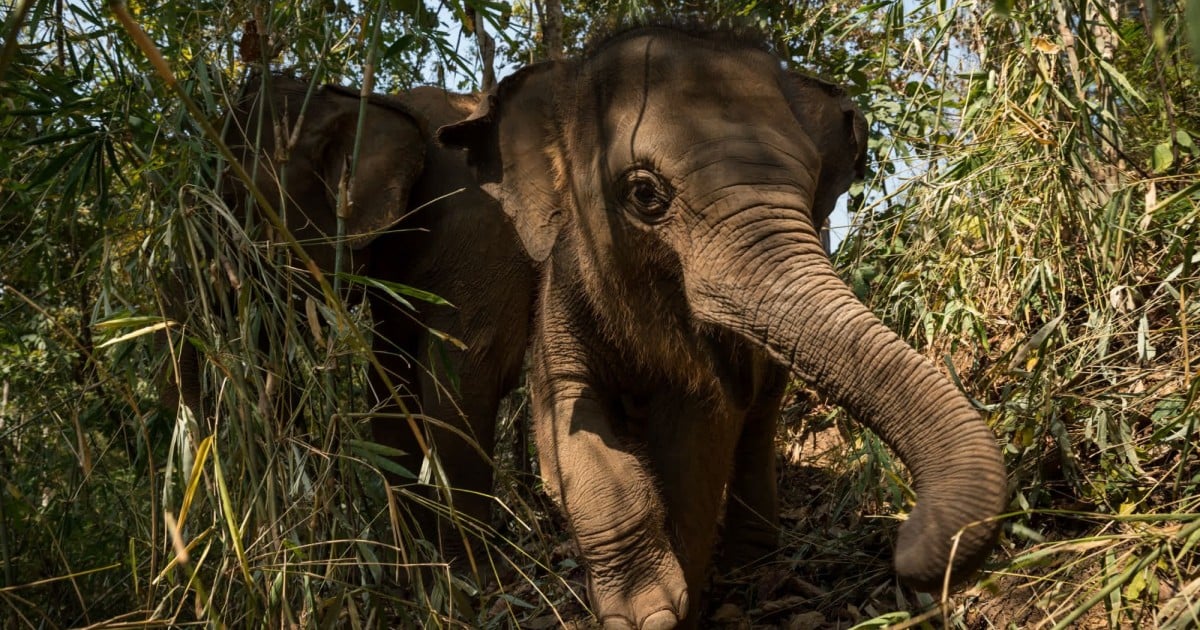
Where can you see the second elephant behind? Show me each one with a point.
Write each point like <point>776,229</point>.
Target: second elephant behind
<point>414,216</point>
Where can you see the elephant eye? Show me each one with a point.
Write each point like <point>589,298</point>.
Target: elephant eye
<point>647,194</point>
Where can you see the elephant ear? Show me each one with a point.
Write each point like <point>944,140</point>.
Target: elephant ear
<point>839,131</point>
<point>305,149</point>
<point>508,139</point>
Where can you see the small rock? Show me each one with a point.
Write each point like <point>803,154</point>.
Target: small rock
<point>806,621</point>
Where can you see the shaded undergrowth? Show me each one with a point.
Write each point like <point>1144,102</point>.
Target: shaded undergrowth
<point>1031,227</point>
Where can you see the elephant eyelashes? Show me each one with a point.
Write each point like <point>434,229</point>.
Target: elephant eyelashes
<point>647,194</point>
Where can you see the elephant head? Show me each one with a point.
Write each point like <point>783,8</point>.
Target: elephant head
<point>299,145</point>
<point>672,184</point>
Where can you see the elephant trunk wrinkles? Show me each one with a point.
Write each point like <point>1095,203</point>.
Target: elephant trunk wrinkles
<point>807,318</point>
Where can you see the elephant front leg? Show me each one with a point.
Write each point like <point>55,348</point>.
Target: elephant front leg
<point>613,507</point>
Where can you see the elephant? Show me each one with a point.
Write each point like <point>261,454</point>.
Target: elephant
<point>669,185</point>
<point>414,216</point>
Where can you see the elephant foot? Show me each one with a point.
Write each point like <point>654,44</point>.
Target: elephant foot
<point>659,605</point>
<point>665,619</point>
<point>661,620</point>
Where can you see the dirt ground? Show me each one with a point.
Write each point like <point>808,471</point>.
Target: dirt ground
<point>832,571</point>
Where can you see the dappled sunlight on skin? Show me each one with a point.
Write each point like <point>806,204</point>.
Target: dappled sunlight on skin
<point>623,536</point>
<point>169,354</point>
<point>673,196</point>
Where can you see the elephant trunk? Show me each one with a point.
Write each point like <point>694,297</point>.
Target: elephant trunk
<point>799,311</point>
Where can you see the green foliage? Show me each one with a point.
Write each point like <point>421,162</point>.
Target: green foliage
<point>1029,224</point>
<point>114,505</point>
<point>1046,256</point>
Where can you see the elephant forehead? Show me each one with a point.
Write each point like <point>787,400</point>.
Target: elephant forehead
<point>662,99</point>
<point>683,62</point>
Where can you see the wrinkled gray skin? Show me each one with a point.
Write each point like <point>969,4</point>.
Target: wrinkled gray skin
<point>671,185</point>
<point>417,218</point>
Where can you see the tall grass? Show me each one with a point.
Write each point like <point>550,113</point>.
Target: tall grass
<point>123,259</point>
<point>1030,226</point>
<point>1046,257</point>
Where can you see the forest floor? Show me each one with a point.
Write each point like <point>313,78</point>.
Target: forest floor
<point>831,572</point>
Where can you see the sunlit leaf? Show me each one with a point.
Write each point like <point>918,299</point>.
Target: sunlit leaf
<point>1044,45</point>
<point>1164,157</point>
<point>1184,139</point>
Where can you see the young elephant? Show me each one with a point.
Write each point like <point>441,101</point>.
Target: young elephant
<point>414,216</point>
<point>672,183</point>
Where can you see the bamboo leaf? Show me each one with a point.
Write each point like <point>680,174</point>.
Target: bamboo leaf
<point>161,325</point>
<point>395,290</point>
